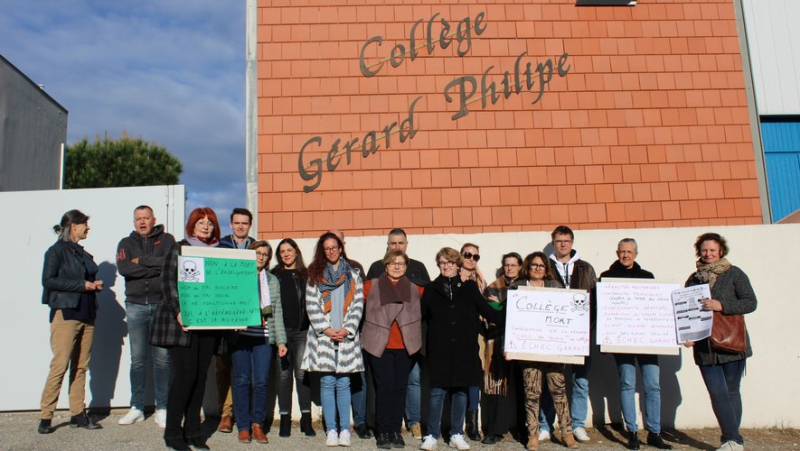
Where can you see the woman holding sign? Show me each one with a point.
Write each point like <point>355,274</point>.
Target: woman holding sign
<point>497,406</point>
<point>335,304</point>
<point>539,273</point>
<point>190,352</point>
<point>451,307</point>
<point>722,356</point>
<point>252,353</point>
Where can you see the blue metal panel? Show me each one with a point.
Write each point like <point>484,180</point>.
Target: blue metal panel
<point>782,154</point>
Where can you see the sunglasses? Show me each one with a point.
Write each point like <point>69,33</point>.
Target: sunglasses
<point>471,256</point>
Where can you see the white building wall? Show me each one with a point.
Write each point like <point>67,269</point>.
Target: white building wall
<point>773,37</point>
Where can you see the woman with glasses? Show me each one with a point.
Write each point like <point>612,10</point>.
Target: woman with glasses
<point>251,353</point>
<point>292,274</point>
<point>451,306</point>
<point>391,336</point>
<point>497,407</point>
<point>469,270</point>
<point>539,273</point>
<point>335,304</point>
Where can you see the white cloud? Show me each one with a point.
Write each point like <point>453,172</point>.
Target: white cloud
<point>170,71</point>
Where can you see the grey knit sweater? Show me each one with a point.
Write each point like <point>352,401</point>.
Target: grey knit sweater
<point>734,291</point>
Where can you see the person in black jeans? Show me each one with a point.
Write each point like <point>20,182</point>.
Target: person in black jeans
<point>291,272</point>
<point>190,352</point>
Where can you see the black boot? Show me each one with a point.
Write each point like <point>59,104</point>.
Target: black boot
<point>198,443</point>
<point>472,426</point>
<point>633,440</point>
<point>286,426</point>
<point>305,425</point>
<point>45,426</point>
<point>656,441</point>
<point>382,440</point>
<point>83,421</point>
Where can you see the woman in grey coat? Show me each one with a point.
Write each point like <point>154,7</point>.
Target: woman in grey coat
<point>731,294</point>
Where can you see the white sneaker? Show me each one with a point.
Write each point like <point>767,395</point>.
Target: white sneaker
<point>544,436</point>
<point>457,441</point>
<point>344,438</point>
<point>428,443</point>
<point>161,418</point>
<point>333,438</point>
<point>133,416</point>
<point>731,446</point>
<point>581,435</point>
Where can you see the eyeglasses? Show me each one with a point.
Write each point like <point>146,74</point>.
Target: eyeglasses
<point>397,264</point>
<point>471,256</point>
<point>536,266</point>
<point>446,264</point>
<point>331,250</point>
<point>262,255</point>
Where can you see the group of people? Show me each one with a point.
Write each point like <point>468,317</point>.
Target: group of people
<point>357,330</point>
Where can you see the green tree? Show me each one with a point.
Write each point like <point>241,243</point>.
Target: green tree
<point>125,161</point>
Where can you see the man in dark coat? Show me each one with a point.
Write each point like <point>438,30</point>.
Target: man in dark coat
<point>626,268</point>
<point>140,259</point>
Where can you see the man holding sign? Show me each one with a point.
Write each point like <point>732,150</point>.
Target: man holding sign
<point>626,268</point>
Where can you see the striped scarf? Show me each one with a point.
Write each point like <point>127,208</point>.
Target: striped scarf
<point>333,278</point>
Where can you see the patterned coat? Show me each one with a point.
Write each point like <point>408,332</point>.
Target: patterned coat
<point>320,349</point>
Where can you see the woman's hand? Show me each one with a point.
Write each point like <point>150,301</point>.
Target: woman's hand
<point>180,322</point>
<point>712,305</point>
<point>688,344</point>
<point>493,298</point>
<point>282,350</point>
<point>334,335</point>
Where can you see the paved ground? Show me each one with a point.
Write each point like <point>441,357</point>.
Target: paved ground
<point>18,432</point>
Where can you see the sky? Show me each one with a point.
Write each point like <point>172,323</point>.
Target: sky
<point>170,71</point>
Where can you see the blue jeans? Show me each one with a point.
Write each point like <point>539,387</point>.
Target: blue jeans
<point>458,408</point>
<point>626,367</point>
<point>335,393</point>
<point>722,382</point>
<point>251,357</point>
<point>140,319</point>
<point>579,407</point>
<point>359,398</point>
<point>473,397</point>
<point>413,397</point>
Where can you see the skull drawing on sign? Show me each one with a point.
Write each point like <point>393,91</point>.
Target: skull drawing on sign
<point>579,303</point>
<point>189,272</point>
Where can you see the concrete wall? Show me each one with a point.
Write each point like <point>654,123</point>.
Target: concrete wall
<point>25,331</point>
<point>33,127</point>
<point>774,327</point>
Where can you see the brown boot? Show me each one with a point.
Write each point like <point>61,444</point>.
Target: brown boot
<point>258,433</point>
<point>569,440</point>
<point>225,424</point>
<point>244,436</point>
<point>533,443</point>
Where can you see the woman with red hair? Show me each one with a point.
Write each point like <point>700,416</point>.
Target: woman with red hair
<point>190,352</point>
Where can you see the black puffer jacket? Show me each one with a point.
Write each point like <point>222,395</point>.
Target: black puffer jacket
<point>64,275</point>
<point>143,279</point>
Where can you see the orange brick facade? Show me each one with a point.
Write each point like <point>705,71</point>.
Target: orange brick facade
<point>643,123</point>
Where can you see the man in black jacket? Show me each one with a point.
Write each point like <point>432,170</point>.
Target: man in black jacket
<point>241,221</point>
<point>626,268</point>
<point>140,258</point>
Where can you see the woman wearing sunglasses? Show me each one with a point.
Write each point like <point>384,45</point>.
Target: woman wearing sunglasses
<point>469,270</point>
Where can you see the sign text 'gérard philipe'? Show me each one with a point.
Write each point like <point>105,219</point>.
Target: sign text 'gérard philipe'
<point>463,90</point>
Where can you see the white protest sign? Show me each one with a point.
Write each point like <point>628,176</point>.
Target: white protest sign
<point>691,321</point>
<point>635,316</point>
<point>547,325</point>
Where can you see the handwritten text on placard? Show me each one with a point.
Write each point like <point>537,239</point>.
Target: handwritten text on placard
<point>635,314</point>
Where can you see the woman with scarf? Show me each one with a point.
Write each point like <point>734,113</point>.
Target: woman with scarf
<point>335,304</point>
<point>451,308</point>
<point>292,275</point>
<point>68,278</point>
<point>392,334</point>
<point>731,295</point>
<point>251,353</point>
<point>190,352</point>
<point>469,270</point>
<point>539,273</point>
<point>497,407</point>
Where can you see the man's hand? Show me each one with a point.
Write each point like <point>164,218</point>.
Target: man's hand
<point>135,261</point>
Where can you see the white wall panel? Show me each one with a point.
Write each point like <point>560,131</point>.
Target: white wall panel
<point>774,41</point>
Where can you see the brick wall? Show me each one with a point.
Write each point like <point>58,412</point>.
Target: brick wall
<point>648,127</point>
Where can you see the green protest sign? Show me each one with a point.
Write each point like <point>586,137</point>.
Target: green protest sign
<point>218,288</point>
